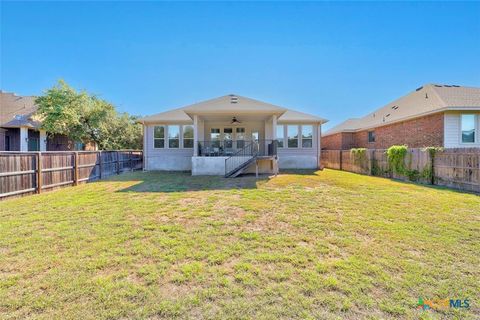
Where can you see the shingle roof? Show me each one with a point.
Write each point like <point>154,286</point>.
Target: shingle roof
<point>231,105</point>
<point>428,99</point>
<point>17,111</point>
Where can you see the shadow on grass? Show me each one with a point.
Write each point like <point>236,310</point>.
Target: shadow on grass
<point>164,181</point>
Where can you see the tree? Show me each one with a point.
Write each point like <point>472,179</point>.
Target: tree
<point>83,117</point>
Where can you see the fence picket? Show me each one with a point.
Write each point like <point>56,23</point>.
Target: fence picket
<point>457,168</point>
<point>23,173</point>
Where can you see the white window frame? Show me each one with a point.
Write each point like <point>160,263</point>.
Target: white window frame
<point>182,132</point>
<point>475,124</point>
<point>283,135</point>
<point>301,136</point>
<point>298,136</point>
<point>164,136</point>
<point>179,136</point>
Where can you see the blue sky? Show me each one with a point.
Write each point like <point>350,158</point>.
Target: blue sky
<point>335,60</point>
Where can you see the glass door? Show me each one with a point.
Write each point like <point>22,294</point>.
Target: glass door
<point>228,138</point>
<point>240,137</point>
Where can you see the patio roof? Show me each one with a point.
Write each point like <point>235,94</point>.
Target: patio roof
<point>231,105</point>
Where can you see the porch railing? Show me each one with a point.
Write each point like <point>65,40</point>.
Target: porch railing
<point>252,150</point>
<point>228,148</point>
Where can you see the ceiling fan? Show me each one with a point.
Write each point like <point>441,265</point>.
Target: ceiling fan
<point>235,121</point>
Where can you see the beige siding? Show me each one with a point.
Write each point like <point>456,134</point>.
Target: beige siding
<point>452,133</point>
<point>166,158</point>
<point>300,158</point>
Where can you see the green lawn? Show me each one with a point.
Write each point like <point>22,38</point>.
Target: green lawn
<point>323,245</point>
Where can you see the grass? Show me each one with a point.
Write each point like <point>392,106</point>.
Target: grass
<point>322,245</point>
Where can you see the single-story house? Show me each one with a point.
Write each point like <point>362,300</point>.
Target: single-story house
<point>230,135</point>
<point>20,130</point>
<point>433,115</point>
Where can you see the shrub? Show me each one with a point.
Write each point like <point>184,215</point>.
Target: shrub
<point>396,158</point>
<point>359,156</point>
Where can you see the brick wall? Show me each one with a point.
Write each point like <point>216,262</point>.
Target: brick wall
<point>332,142</point>
<point>421,132</point>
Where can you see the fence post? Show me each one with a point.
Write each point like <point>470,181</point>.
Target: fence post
<point>432,160</point>
<point>341,159</point>
<point>75,168</point>
<point>100,164</point>
<point>118,163</point>
<point>39,172</point>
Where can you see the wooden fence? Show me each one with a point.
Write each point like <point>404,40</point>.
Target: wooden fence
<point>24,173</point>
<point>457,168</point>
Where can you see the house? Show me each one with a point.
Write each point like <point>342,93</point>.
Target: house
<point>432,115</point>
<point>20,130</point>
<point>231,135</point>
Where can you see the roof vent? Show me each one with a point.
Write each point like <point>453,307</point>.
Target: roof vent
<point>418,89</point>
<point>395,107</point>
<point>233,99</point>
<point>426,95</point>
<point>388,115</point>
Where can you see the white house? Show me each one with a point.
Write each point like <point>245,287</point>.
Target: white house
<point>230,135</point>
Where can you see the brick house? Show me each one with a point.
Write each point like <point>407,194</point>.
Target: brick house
<point>432,115</point>
<point>20,130</point>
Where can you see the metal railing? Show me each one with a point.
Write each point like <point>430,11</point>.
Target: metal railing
<point>227,148</point>
<point>252,150</point>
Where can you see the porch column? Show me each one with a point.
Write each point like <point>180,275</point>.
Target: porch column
<point>23,139</point>
<point>43,140</point>
<point>195,135</point>
<point>274,127</point>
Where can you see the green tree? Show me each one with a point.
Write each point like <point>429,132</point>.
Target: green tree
<point>84,117</point>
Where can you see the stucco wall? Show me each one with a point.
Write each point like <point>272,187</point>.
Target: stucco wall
<point>208,166</point>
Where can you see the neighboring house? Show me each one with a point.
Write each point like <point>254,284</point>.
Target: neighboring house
<point>432,115</point>
<point>229,135</point>
<point>20,130</point>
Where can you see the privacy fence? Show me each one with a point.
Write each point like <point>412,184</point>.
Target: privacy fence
<point>457,168</point>
<point>24,173</point>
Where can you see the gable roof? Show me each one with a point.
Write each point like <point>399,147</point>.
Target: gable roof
<point>230,105</point>
<point>428,99</point>
<point>17,111</point>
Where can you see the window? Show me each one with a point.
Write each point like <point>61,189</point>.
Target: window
<point>292,136</point>
<point>468,128</point>
<point>371,136</point>
<point>307,136</point>
<point>188,136</point>
<point>280,135</point>
<point>215,137</point>
<point>240,136</point>
<point>173,136</point>
<point>159,137</point>
<point>227,137</point>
